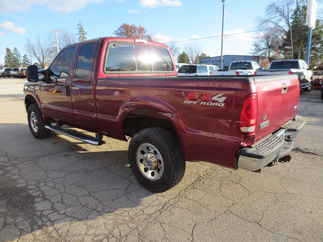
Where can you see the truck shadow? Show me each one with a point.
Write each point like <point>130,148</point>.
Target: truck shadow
<point>63,183</point>
<point>311,107</point>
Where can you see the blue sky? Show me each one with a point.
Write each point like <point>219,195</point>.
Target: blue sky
<point>166,20</point>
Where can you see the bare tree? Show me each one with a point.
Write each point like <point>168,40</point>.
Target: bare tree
<point>174,49</point>
<point>194,54</point>
<point>279,16</point>
<point>41,51</point>
<point>66,38</point>
<point>269,41</point>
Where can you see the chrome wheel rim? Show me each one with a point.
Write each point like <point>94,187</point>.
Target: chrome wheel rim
<point>34,122</point>
<point>150,162</point>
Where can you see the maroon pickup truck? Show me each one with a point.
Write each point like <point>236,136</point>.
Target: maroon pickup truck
<point>128,89</point>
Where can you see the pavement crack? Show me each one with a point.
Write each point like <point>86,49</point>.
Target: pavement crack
<point>305,151</point>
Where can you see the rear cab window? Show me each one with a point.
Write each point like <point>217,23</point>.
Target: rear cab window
<point>241,66</point>
<point>284,65</point>
<point>188,69</point>
<point>125,57</point>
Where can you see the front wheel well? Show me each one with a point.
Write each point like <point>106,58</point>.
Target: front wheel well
<point>29,100</point>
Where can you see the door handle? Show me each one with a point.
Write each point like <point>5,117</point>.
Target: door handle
<point>284,89</point>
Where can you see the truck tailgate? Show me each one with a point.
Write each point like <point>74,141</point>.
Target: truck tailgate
<point>278,98</point>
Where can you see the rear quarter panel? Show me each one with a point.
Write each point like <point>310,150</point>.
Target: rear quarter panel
<point>208,130</point>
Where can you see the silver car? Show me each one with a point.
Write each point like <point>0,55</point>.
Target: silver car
<point>197,70</point>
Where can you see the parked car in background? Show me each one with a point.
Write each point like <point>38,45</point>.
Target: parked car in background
<point>125,88</point>
<point>14,72</point>
<point>6,72</point>
<point>1,71</point>
<point>197,70</point>
<point>179,65</point>
<point>22,73</point>
<point>292,66</point>
<point>241,68</point>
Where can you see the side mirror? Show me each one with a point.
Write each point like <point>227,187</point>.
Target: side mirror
<point>64,75</point>
<point>32,73</point>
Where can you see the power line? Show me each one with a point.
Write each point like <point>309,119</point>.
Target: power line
<point>213,36</point>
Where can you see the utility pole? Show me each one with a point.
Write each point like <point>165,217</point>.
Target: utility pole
<point>222,35</point>
<point>56,31</point>
<point>290,29</point>
<point>311,23</point>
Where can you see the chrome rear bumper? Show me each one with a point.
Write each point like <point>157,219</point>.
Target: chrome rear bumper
<point>272,148</point>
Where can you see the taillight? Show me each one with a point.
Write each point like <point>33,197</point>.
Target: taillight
<point>290,73</point>
<point>248,115</point>
<point>237,73</point>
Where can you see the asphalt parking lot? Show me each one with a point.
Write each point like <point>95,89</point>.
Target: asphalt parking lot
<point>61,190</point>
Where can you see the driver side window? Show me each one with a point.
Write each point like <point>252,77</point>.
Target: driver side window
<point>64,61</point>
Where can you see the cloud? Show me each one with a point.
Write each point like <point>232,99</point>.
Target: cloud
<point>160,3</point>
<point>134,11</point>
<point>56,5</point>
<point>162,38</point>
<point>236,42</point>
<point>11,27</point>
<point>241,34</point>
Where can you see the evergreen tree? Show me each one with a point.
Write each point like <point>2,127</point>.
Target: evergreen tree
<point>202,56</point>
<point>9,59</point>
<point>183,58</point>
<point>81,32</point>
<point>16,58</point>
<point>26,61</point>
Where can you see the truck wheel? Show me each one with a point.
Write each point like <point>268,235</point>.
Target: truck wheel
<point>35,122</point>
<point>156,159</point>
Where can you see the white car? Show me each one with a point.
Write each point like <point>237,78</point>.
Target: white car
<point>197,70</point>
<point>14,72</point>
<point>241,68</point>
<point>292,66</point>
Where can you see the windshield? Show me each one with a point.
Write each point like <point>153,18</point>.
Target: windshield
<point>241,66</point>
<point>187,69</point>
<point>284,65</point>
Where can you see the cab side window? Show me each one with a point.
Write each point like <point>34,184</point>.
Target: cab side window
<point>85,61</point>
<point>63,62</point>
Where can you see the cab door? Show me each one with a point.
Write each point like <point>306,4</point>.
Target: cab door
<point>82,86</point>
<point>55,89</point>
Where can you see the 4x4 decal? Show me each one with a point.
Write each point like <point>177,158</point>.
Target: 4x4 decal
<point>205,99</point>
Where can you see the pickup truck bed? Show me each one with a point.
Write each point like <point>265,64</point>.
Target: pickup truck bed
<point>237,122</point>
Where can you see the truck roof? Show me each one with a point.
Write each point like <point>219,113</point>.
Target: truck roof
<point>154,43</point>
<point>286,60</point>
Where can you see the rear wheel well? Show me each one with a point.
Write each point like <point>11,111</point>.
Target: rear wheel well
<point>29,100</point>
<point>133,124</point>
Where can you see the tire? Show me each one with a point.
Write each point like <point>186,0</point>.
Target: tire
<point>36,124</point>
<point>165,168</point>
<point>322,94</point>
